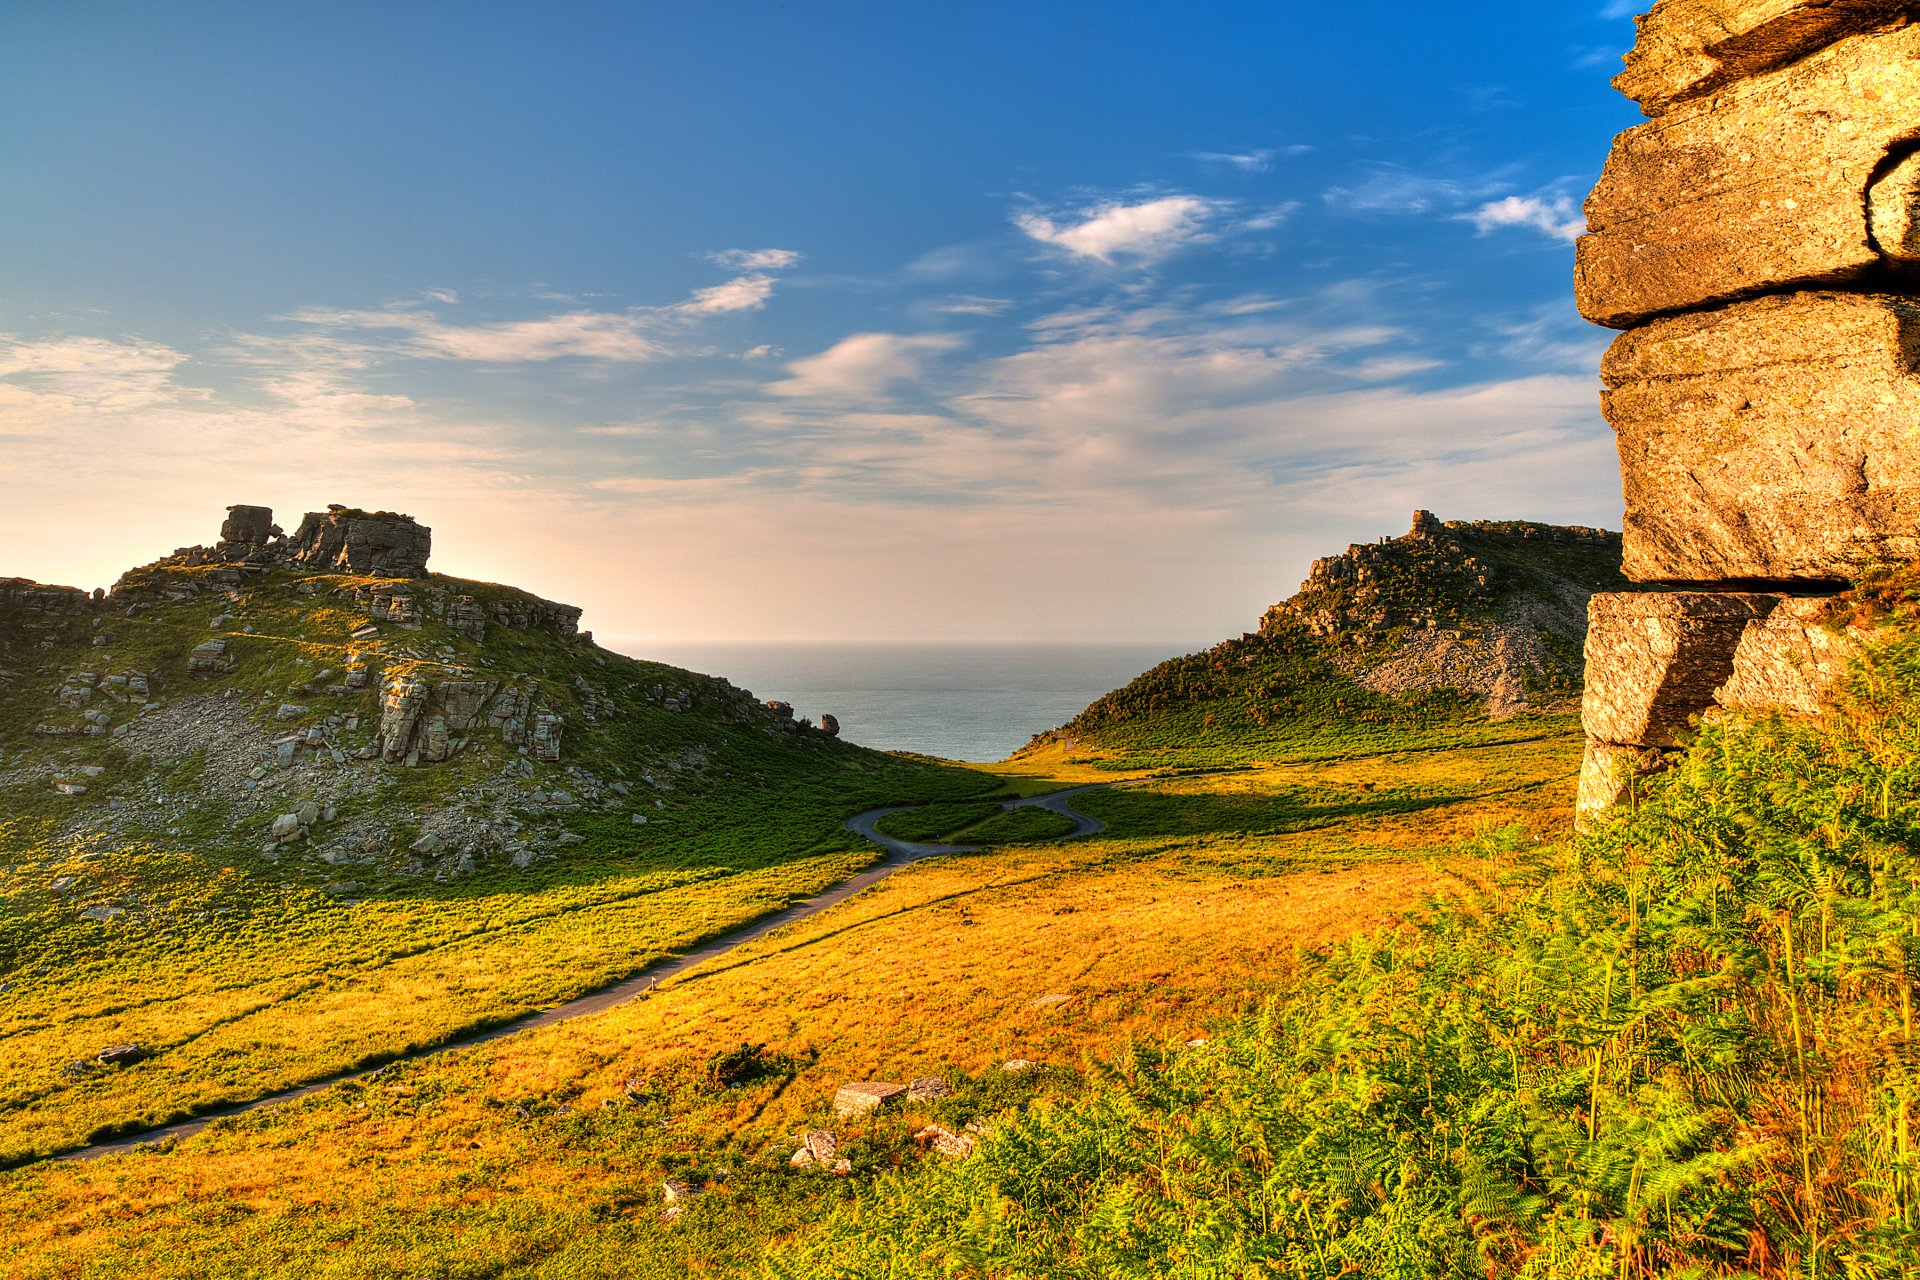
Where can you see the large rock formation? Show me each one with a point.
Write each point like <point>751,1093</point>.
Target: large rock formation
<point>378,544</point>
<point>1764,185</point>
<point>1692,47</point>
<point>1770,441</point>
<point>338,540</point>
<point>1754,240</point>
<point>1495,609</point>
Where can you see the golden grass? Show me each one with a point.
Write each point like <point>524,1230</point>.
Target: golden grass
<point>934,972</point>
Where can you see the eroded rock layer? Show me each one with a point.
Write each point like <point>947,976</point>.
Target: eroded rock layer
<point>1756,241</point>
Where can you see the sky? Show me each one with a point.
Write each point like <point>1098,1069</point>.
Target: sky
<point>834,321</point>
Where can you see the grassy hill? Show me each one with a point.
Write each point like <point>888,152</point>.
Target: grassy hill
<point>1681,1044</point>
<point>544,1155</point>
<point>1455,633</point>
<point>386,811</point>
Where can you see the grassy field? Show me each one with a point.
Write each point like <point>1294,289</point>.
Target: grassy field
<point>1682,1044</point>
<point>542,1155</point>
<point>148,911</point>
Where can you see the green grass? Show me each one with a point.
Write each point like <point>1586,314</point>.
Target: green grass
<point>935,822</point>
<point>1684,1046</point>
<point>243,972</point>
<point>542,1155</point>
<point>1014,826</point>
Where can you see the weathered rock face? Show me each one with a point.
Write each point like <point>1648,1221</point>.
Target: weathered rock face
<point>249,526</point>
<point>1688,48</point>
<point>1793,660</point>
<point>1766,419</point>
<point>1761,187</point>
<point>1658,662</point>
<point>426,721</point>
<point>343,540</point>
<point>1654,660</point>
<point>1773,440</point>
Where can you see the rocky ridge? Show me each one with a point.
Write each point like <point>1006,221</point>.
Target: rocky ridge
<point>1493,609</point>
<point>266,689</point>
<point>1756,241</point>
<point>1445,630</point>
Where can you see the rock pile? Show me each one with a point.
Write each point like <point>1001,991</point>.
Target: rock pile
<point>378,544</point>
<point>1752,241</point>
<point>338,540</point>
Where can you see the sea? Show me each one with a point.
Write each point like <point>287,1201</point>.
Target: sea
<point>961,702</point>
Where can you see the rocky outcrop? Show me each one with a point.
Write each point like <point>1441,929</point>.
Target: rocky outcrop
<point>1763,186</point>
<point>376,544</point>
<point>426,721</point>
<point>1688,48</point>
<point>1771,440</point>
<point>1754,241</point>
<point>249,526</point>
<point>1430,609</point>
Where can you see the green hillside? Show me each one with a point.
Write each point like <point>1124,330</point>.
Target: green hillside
<point>1453,634</point>
<point>1681,1044</point>
<point>375,813</point>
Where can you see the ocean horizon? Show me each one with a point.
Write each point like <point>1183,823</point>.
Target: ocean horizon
<point>971,702</point>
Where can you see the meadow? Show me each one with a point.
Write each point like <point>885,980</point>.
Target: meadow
<point>147,911</point>
<point>1680,1044</point>
<point>543,1154</point>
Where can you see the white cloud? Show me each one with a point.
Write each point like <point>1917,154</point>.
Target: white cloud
<point>1553,216</point>
<point>92,374</point>
<point>1392,189</point>
<point>1148,230</point>
<point>1258,161</point>
<point>597,335</point>
<point>742,293</point>
<point>756,259</point>
<point>863,366</point>
<point>973,306</point>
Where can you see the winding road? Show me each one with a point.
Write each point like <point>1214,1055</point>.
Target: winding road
<point>899,853</point>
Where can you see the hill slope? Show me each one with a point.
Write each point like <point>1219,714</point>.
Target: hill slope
<point>1444,634</point>
<point>286,804</point>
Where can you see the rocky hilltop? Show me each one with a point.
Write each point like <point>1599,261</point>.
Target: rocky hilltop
<point>322,697</point>
<point>1453,623</point>
<point>1756,242</point>
<point>1495,609</point>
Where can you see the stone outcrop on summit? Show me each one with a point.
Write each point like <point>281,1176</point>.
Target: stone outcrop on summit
<point>1754,240</point>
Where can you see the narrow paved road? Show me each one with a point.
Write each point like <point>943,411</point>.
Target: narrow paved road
<point>899,853</point>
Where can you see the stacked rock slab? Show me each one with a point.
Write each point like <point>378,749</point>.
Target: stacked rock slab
<point>1756,240</point>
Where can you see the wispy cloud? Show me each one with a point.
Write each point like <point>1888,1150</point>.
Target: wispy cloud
<point>90,374</point>
<point>1388,188</point>
<point>1146,230</point>
<point>1258,161</point>
<point>973,306</point>
<point>742,293</point>
<point>597,335</point>
<point>1550,215</point>
<point>862,367</point>
<point>755,259</point>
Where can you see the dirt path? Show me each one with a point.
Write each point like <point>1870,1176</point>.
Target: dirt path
<point>899,853</point>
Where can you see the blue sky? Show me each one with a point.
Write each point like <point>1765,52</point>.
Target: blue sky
<point>808,321</point>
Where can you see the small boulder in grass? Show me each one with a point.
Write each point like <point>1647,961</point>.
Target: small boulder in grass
<point>866,1097</point>
<point>674,1192</point>
<point>119,1055</point>
<point>928,1089</point>
<point>820,1148</point>
<point>1018,1066</point>
<point>946,1141</point>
